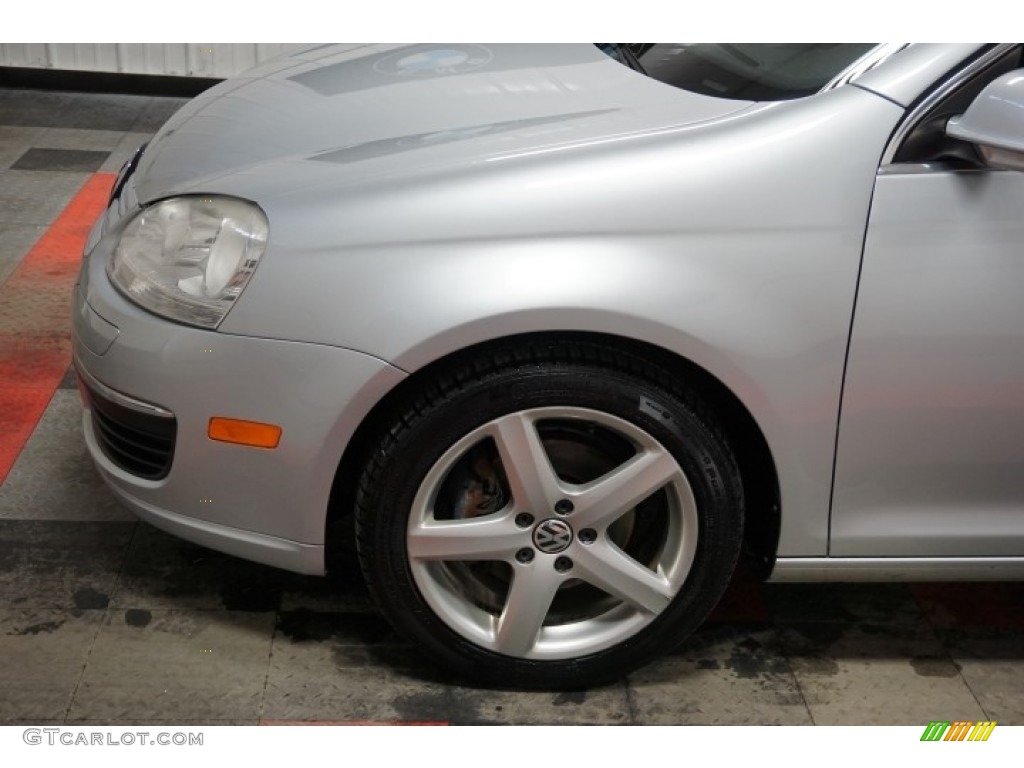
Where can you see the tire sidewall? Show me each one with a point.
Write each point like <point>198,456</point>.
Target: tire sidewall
<point>667,416</point>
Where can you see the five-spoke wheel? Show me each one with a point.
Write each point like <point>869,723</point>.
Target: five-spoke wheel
<point>544,524</point>
<point>588,570</point>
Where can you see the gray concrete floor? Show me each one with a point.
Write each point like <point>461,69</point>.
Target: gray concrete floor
<point>107,620</point>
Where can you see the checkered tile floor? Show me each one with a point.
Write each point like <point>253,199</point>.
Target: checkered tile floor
<point>106,620</point>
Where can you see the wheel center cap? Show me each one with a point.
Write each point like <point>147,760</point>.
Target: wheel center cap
<point>552,535</point>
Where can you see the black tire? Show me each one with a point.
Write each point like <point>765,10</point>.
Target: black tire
<point>615,415</point>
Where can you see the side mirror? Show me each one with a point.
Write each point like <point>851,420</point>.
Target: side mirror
<point>994,123</point>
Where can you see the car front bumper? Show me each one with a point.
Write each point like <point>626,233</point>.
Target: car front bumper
<point>266,505</point>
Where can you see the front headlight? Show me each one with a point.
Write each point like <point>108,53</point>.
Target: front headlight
<point>188,258</point>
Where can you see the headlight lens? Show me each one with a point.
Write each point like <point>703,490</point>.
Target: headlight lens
<point>188,258</point>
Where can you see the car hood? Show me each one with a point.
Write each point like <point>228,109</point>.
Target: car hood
<point>387,111</point>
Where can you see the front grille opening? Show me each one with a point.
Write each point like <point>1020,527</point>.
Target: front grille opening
<point>141,444</point>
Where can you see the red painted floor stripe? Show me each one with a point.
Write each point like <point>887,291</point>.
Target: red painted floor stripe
<point>742,602</point>
<point>347,722</point>
<point>972,604</point>
<point>35,319</point>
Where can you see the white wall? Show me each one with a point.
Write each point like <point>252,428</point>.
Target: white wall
<point>190,59</point>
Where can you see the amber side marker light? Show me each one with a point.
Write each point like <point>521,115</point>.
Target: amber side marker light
<point>251,433</point>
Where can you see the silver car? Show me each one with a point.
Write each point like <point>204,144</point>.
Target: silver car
<point>560,332</point>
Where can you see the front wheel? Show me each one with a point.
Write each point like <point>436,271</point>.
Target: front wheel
<point>534,523</point>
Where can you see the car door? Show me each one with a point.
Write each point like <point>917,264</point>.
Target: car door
<point>930,452</point>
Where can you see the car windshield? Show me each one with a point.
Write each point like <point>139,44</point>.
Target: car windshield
<point>747,71</point>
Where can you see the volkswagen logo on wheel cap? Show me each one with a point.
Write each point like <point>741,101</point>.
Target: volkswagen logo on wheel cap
<point>552,536</point>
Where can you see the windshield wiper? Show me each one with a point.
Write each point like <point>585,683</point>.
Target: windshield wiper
<point>627,53</point>
<point>622,53</point>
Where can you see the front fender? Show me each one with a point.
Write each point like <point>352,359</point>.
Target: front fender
<point>735,246</point>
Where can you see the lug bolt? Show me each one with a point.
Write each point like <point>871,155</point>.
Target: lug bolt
<point>587,536</point>
<point>564,507</point>
<point>524,519</point>
<point>524,555</point>
<point>563,564</point>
